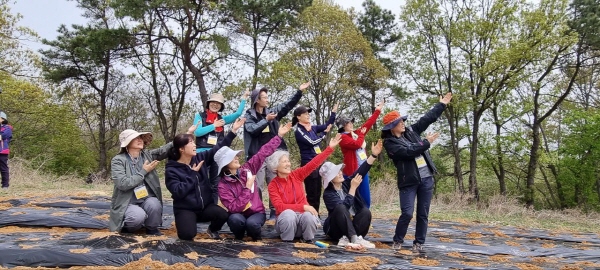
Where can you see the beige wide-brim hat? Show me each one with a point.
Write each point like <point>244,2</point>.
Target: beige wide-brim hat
<point>216,97</point>
<point>129,134</point>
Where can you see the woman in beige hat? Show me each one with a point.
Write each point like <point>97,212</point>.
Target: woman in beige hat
<point>210,129</point>
<point>137,196</point>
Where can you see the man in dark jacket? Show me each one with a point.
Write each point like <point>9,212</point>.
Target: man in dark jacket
<point>414,167</point>
<point>262,124</point>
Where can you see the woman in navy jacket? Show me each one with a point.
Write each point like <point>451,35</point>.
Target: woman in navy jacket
<point>309,138</point>
<point>348,218</point>
<point>188,182</point>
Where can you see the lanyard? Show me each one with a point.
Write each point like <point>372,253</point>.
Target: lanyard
<point>283,192</point>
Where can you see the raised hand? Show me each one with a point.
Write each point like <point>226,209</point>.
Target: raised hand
<point>271,116</point>
<point>284,129</point>
<point>238,123</point>
<point>335,107</point>
<point>149,166</point>
<point>246,94</point>
<point>380,105</point>
<point>328,128</point>
<point>198,166</point>
<point>356,181</point>
<point>304,86</point>
<point>446,98</point>
<point>312,210</point>
<point>219,123</point>
<point>376,148</point>
<point>335,140</point>
<point>250,181</point>
<point>431,137</point>
<point>363,130</point>
<point>192,128</point>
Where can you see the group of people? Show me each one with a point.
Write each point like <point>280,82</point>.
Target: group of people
<point>202,170</point>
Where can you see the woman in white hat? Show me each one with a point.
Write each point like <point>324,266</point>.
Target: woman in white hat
<point>137,195</point>
<point>348,218</point>
<point>210,129</point>
<point>237,188</point>
<point>188,182</point>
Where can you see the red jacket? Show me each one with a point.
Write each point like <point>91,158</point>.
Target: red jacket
<point>349,145</point>
<point>289,193</point>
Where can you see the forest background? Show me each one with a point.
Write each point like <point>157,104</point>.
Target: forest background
<point>522,126</point>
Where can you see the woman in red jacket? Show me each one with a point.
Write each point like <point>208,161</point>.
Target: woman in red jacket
<point>353,148</point>
<point>295,217</point>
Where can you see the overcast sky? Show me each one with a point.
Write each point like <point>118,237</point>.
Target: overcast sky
<point>45,16</point>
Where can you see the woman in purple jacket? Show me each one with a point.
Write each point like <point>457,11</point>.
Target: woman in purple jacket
<point>237,189</point>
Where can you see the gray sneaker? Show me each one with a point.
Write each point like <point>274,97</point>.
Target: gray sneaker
<point>397,245</point>
<point>417,248</point>
<point>213,235</point>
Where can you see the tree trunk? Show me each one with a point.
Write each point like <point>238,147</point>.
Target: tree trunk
<point>473,189</point>
<point>533,160</point>
<point>458,175</point>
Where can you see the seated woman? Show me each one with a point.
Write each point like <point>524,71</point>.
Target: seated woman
<point>348,217</point>
<point>137,197</point>
<point>237,189</point>
<point>190,187</point>
<point>295,217</point>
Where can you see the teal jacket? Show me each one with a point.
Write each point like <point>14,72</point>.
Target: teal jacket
<point>203,130</point>
<point>125,182</point>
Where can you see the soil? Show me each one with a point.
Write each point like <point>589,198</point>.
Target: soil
<point>79,250</point>
<point>305,245</point>
<point>476,243</point>
<point>474,235</point>
<point>512,243</point>
<point>456,255</point>
<point>381,245</point>
<point>528,266</point>
<point>446,240</point>
<point>194,255</point>
<point>425,262</point>
<point>475,264</point>
<point>500,258</point>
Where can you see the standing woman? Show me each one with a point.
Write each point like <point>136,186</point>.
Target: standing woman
<point>5,137</point>
<point>137,197</point>
<point>238,191</point>
<point>191,190</point>
<point>309,140</point>
<point>414,168</point>
<point>210,129</point>
<point>295,217</point>
<point>353,148</point>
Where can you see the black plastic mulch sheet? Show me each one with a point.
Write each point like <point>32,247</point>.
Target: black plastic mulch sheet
<point>449,245</point>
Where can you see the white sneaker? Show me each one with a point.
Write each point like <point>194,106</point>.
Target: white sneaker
<point>365,243</point>
<point>343,241</point>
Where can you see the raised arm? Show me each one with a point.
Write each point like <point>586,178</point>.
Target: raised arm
<point>303,172</point>
<point>398,149</point>
<point>432,115</point>
<point>230,118</point>
<point>284,108</point>
<point>202,130</point>
<point>266,150</point>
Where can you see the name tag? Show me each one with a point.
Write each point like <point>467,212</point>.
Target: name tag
<point>421,162</point>
<point>140,192</point>
<point>247,206</point>
<point>361,154</point>
<point>317,149</point>
<point>212,140</point>
<point>266,130</point>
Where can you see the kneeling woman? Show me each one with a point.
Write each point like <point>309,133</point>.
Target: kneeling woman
<point>237,189</point>
<point>190,187</point>
<point>295,217</point>
<point>348,215</point>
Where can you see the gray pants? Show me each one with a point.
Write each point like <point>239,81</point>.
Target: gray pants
<point>291,224</point>
<point>147,214</point>
<point>263,178</point>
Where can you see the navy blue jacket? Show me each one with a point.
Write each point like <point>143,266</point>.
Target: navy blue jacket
<point>403,151</point>
<point>307,140</point>
<point>332,199</point>
<point>189,189</point>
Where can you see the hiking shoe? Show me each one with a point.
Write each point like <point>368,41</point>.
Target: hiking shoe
<point>343,241</point>
<point>311,241</point>
<point>397,245</point>
<point>272,215</point>
<point>213,235</point>
<point>364,242</point>
<point>417,248</point>
<point>155,232</point>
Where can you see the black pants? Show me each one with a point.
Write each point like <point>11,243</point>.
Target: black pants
<point>213,177</point>
<point>185,220</point>
<point>312,186</point>
<point>341,224</point>
<point>4,170</point>
<point>239,225</point>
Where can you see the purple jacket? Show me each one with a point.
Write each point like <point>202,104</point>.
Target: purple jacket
<point>232,189</point>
